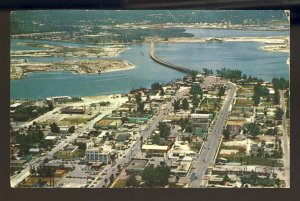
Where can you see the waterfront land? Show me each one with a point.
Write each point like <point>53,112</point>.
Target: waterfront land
<point>212,127</point>
<point>212,134</point>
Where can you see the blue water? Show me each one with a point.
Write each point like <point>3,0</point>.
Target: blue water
<point>39,85</point>
<point>245,56</point>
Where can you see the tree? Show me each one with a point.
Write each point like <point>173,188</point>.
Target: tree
<point>50,105</point>
<point>185,104</point>
<point>164,129</point>
<point>226,133</point>
<point>194,74</point>
<point>54,128</point>
<point>131,181</point>
<point>156,176</point>
<point>111,178</point>
<point>71,129</point>
<point>176,105</point>
<point>278,113</point>
<point>140,107</point>
<point>196,90</point>
<point>156,86</point>
<point>124,119</point>
<point>149,176</point>
<point>162,92</point>
<point>241,160</point>
<point>156,139</point>
<point>177,178</point>
<point>138,97</point>
<point>276,97</point>
<point>256,99</point>
<point>221,91</point>
<point>195,101</point>
<point>225,179</point>
<point>253,129</point>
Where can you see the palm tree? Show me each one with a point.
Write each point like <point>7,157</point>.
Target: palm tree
<point>177,178</point>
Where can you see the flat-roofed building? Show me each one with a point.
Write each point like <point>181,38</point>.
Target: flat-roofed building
<point>101,154</point>
<point>108,124</point>
<point>15,106</point>
<point>154,150</point>
<point>180,150</point>
<point>52,139</point>
<point>136,166</point>
<point>181,168</point>
<point>200,120</point>
<point>73,110</point>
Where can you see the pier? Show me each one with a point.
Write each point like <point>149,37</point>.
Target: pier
<point>164,63</point>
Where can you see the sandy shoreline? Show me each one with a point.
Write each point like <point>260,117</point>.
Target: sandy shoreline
<point>19,69</point>
<point>273,43</point>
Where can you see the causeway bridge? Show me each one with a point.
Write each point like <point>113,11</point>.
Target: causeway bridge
<point>164,63</point>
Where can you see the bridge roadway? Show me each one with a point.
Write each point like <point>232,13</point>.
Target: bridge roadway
<point>172,66</point>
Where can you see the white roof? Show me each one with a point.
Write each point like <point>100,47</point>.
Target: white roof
<point>15,104</point>
<point>200,115</point>
<point>34,150</point>
<point>50,137</point>
<point>154,147</point>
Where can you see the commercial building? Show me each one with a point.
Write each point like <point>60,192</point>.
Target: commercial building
<point>52,139</point>
<point>73,110</point>
<point>136,166</point>
<point>181,168</point>
<point>181,151</point>
<point>101,154</point>
<point>155,150</point>
<point>200,120</point>
<point>108,124</point>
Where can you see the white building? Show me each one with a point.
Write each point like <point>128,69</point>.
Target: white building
<point>101,154</point>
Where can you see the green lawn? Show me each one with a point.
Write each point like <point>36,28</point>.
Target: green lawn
<point>77,154</point>
<point>244,102</point>
<point>252,160</point>
<point>120,184</point>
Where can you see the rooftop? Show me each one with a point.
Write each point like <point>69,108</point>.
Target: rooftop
<point>154,147</point>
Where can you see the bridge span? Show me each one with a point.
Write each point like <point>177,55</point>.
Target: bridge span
<point>164,63</point>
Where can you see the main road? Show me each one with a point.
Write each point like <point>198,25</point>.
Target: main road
<point>212,144</point>
<point>285,141</point>
<point>136,147</point>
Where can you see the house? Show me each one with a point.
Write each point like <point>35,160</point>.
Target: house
<point>234,125</point>
<point>69,149</point>
<point>34,151</point>
<point>17,165</point>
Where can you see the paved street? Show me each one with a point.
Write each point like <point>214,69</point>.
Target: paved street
<point>135,148</point>
<point>285,141</point>
<point>211,146</point>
